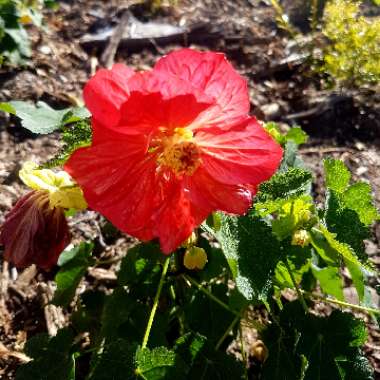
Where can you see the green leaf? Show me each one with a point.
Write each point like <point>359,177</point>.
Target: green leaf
<point>75,114</point>
<point>294,182</point>
<point>140,269</point>
<point>297,135</point>
<point>250,246</point>
<point>283,363</point>
<point>117,310</point>
<point>343,249</point>
<point>7,107</point>
<point>75,134</point>
<point>124,317</point>
<point>358,197</point>
<point>87,317</point>
<point>37,119</point>
<point>20,41</point>
<point>116,361</point>
<point>337,175</point>
<point>291,158</point>
<point>121,360</point>
<point>218,319</point>
<point>298,259</point>
<point>74,264</point>
<point>159,364</point>
<point>358,276</point>
<point>204,362</point>
<point>52,358</point>
<point>293,214</point>
<point>330,345</point>
<point>330,281</point>
<point>346,224</point>
<point>329,255</point>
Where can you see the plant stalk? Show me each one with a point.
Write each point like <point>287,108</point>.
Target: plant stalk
<point>258,326</point>
<point>299,293</point>
<point>155,302</point>
<point>344,304</point>
<point>229,329</point>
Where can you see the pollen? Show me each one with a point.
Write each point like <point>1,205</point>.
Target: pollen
<point>180,153</point>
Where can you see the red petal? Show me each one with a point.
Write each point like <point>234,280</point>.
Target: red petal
<point>212,73</point>
<point>145,113</point>
<point>176,216</point>
<point>33,233</point>
<point>106,91</point>
<point>246,154</point>
<point>118,180</point>
<point>206,192</point>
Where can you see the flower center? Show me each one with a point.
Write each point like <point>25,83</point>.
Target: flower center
<point>180,153</point>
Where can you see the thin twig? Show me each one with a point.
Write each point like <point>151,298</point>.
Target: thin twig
<point>108,56</point>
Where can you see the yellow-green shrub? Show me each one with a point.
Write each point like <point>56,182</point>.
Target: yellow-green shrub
<point>353,57</point>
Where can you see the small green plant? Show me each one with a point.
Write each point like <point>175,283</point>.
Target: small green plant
<point>353,57</point>
<point>14,41</point>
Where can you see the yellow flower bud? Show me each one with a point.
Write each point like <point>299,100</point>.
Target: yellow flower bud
<point>63,192</point>
<point>25,19</point>
<point>195,258</point>
<point>301,238</point>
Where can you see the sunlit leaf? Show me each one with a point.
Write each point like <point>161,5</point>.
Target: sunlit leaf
<point>74,264</point>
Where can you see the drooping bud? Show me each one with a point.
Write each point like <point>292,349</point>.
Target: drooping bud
<point>33,232</point>
<point>301,238</point>
<point>195,258</point>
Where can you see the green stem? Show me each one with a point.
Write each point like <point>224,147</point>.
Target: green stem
<point>155,302</point>
<point>229,329</point>
<point>258,326</point>
<point>299,293</point>
<point>344,304</point>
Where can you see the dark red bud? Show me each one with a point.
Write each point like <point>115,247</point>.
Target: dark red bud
<point>34,233</point>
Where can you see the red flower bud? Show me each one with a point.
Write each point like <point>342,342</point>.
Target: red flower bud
<point>34,232</point>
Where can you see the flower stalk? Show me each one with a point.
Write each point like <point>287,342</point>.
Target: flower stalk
<point>155,302</point>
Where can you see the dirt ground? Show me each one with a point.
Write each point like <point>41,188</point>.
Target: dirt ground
<point>342,124</point>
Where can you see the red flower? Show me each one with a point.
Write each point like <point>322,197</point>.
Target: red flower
<point>171,145</point>
<point>34,232</point>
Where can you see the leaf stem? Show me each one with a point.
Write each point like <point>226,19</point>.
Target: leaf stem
<point>299,293</point>
<point>342,303</point>
<point>257,325</point>
<point>229,329</point>
<point>155,302</point>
